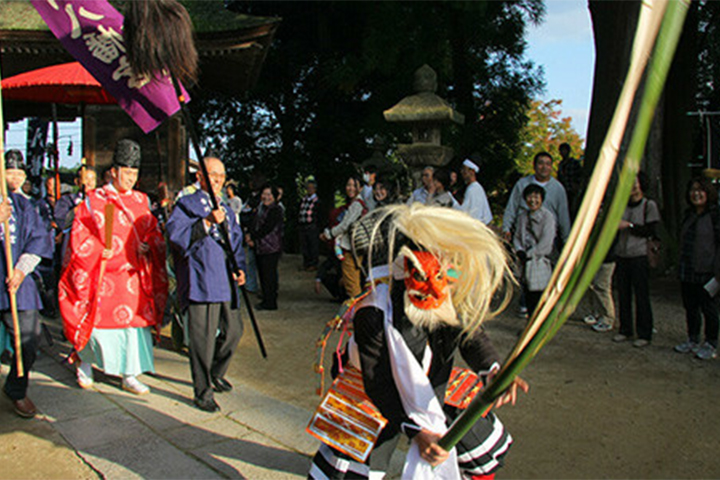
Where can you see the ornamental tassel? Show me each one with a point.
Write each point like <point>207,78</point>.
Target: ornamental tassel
<point>159,37</point>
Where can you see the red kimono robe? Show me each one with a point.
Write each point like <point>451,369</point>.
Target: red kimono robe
<point>134,285</point>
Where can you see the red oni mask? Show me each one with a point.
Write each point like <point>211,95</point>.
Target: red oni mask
<point>427,282</point>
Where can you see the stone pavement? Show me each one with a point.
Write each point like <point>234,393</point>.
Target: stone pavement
<point>106,432</point>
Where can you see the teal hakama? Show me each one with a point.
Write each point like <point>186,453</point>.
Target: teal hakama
<point>6,340</point>
<point>120,351</point>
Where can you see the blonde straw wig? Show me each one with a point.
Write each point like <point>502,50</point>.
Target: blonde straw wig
<point>483,287</point>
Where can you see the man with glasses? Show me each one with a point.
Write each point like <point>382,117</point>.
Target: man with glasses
<point>205,285</point>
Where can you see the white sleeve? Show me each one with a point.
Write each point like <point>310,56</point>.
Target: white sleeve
<point>27,263</point>
<point>512,209</point>
<point>485,214</point>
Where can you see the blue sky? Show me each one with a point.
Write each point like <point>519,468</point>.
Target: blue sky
<point>67,132</point>
<point>563,46</point>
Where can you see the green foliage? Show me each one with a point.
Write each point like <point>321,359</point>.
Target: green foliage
<point>709,55</point>
<point>545,130</point>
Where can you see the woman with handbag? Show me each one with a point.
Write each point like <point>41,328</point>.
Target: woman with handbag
<point>533,241</point>
<point>632,271</point>
<point>698,265</point>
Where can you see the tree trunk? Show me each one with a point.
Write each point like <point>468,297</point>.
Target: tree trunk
<point>614,29</point>
<point>670,144</point>
<point>679,130</point>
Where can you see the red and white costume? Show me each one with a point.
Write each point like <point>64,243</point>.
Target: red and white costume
<point>133,292</point>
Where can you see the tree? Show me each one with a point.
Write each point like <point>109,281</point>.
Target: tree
<point>545,130</point>
<point>708,45</point>
<point>613,30</point>
<point>335,66</point>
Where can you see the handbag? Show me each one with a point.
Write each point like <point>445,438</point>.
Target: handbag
<point>654,249</point>
<point>654,246</point>
<point>538,271</point>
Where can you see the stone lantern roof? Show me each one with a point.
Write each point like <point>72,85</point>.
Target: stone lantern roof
<point>424,113</point>
<point>425,105</point>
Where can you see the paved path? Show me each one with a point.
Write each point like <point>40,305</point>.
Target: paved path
<point>106,432</point>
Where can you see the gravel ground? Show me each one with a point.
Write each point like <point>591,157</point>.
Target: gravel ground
<point>596,409</point>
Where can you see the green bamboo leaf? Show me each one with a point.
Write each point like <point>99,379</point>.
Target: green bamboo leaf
<point>579,278</point>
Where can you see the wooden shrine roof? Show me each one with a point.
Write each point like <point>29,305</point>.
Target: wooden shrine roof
<point>232,46</point>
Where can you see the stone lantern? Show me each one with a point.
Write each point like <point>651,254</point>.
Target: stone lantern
<point>425,113</point>
<point>378,146</point>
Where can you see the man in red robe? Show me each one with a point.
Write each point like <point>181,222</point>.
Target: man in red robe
<point>110,299</point>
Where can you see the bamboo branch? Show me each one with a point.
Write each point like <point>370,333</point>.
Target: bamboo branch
<point>645,35</point>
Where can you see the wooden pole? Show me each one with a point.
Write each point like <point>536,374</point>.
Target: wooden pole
<point>109,219</point>
<point>8,250</point>
<point>55,153</point>
<point>90,314</point>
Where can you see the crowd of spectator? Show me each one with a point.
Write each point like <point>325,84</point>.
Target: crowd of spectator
<point>536,223</point>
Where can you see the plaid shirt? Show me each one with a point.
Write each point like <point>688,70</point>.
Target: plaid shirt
<point>308,210</point>
<point>570,174</point>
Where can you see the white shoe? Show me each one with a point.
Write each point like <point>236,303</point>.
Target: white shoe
<point>590,320</point>
<point>687,347</point>
<point>601,326</point>
<point>133,385</point>
<point>706,352</point>
<point>84,374</point>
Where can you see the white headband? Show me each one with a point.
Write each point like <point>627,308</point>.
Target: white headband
<point>471,165</point>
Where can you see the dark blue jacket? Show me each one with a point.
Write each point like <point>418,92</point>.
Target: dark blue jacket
<point>201,268</point>
<point>27,235</point>
<point>63,207</point>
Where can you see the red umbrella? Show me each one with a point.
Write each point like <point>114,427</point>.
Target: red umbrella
<point>65,83</point>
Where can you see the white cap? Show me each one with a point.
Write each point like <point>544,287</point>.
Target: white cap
<point>471,165</point>
<point>193,166</point>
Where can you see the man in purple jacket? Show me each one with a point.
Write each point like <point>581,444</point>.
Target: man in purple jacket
<point>205,284</point>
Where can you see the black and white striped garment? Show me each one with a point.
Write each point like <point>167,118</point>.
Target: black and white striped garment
<point>480,452</point>
<point>328,464</point>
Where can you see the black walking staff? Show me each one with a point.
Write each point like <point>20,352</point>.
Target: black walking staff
<point>158,39</point>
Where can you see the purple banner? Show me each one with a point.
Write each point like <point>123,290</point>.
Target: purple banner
<point>91,30</point>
